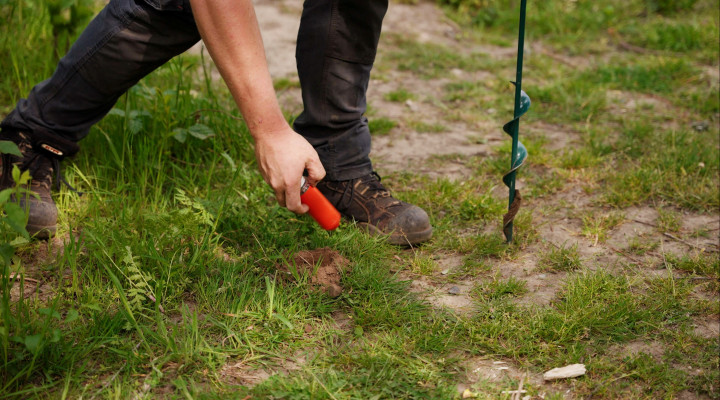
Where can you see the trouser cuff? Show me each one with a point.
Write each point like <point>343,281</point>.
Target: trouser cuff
<point>350,173</point>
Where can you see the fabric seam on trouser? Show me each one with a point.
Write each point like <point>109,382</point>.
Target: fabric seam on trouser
<point>77,68</point>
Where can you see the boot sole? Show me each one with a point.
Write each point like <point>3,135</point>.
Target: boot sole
<point>399,238</point>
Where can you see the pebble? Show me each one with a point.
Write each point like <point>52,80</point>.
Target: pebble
<point>700,126</point>
<point>411,105</point>
<point>445,271</point>
<point>454,290</point>
<point>569,371</point>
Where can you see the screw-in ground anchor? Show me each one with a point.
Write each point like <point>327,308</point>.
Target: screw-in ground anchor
<point>512,128</point>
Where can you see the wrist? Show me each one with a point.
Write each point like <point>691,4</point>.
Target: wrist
<point>263,129</point>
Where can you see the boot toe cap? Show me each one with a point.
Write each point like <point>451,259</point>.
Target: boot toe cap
<point>410,226</point>
<point>42,219</point>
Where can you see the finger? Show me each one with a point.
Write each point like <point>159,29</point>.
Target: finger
<point>280,197</point>
<point>316,171</point>
<point>292,198</point>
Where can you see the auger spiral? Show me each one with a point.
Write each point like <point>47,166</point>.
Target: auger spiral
<point>512,128</point>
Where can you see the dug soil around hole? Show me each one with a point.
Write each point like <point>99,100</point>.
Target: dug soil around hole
<point>321,266</point>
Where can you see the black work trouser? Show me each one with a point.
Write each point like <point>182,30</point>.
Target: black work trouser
<point>128,39</point>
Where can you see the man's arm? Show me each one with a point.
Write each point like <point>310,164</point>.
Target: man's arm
<point>230,31</point>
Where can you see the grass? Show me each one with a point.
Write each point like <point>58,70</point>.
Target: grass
<point>400,96</point>
<point>597,227</point>
<point>169,282</point>
<point>561,258</point>
<point>381,126</point>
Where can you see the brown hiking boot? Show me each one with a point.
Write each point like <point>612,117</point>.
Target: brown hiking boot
<point>41,159</point>
<point>366,201</point>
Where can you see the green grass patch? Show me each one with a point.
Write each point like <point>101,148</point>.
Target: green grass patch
<point>430,60</point>
<point>666,165</point>
<point>424,127</point>
<point>381,126</point>
<point>400,96</point>
<point>498,289</point>
<point>656,75</point>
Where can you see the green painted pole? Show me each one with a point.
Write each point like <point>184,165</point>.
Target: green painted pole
<point>512,128</point>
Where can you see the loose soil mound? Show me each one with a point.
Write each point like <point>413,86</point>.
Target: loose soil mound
<point>321,266</point>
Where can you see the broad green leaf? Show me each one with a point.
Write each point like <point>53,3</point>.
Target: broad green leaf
<point>5,196</point>
<point>135,126</point>
<point>56,335</point>
<point>201,131</point>
<point>71,316</point>
<point>19,241</point>
<point>24,178</point>
<point>180,134</point>
<point>18,177</point>
<point>6,252</point>
<point>117,111</point>
<point>16,173</point>
<point>9,147</point>
<point>50,313</point>
<point>16,218</point>
<point>33,342</point>
<point>93,306</point>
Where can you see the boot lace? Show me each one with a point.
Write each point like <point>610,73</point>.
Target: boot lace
<point>365,186</point>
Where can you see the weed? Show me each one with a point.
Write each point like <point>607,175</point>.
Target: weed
<point>668,220</point>
<point>423,264</point>
<point>564,258</point>
<point>696,263</point>
<point>596,227</point>
<point>640,246</point>
<point>497,289</point>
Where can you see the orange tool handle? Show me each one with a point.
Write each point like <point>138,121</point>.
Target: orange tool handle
<point>320,208</point>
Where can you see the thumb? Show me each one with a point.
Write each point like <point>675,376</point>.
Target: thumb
<point>315,170</point>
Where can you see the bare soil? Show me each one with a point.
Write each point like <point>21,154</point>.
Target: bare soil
<point>242,372</point>
<point>321,266</point>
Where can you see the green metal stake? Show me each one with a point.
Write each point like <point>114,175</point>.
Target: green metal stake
<point>512,128</point>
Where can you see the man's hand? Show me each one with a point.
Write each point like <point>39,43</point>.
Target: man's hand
<point>282,157</point>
